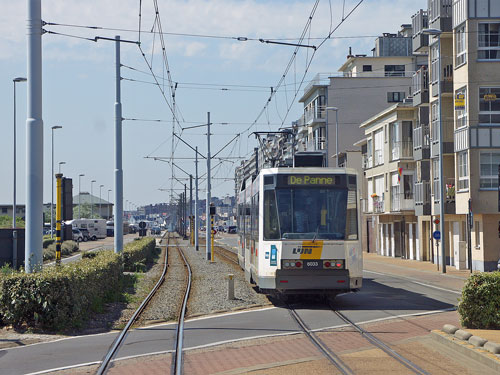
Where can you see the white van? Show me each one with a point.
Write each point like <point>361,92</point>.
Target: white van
<point>95,227</point>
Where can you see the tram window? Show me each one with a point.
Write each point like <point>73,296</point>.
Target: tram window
<point>268,180</point>
<point>271,224</point>
<point>351,229</point>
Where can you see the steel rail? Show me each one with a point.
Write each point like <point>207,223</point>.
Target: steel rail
<point>331,356</point>
<point>121,337</point>
<point>221,252</point>
<point>177,360</point>
<point>381,345</point>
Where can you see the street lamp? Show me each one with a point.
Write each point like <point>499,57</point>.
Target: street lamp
<point>15,80</point>
<point>109,215</point>
<point>61,163</point>
<point>100,189</point>
<point>92,199</point>
<point>437,33</point>
<point>336,132</point>
<point>79,193</point>
<point>14,232</point>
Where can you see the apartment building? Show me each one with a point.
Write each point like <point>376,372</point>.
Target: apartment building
<point>389,169</point>
<point>362,87</point>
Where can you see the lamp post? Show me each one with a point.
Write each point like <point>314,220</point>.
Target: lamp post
<point>92,199</point>
<point>79,193</point>
<point>109,216</point>
<point>52,181</point>
<point>437,33</point>
<point>336,133</point>
<point>100,189</point>
<point>61,163</point>
<point>15,80</point>
<point>14,232</point>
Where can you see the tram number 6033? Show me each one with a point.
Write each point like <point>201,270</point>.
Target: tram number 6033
<point>312,264</point>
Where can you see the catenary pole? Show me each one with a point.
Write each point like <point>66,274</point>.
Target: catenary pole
<point>34,141</point>
<point>191,226</point>
<point>208,227</point>
<point>196,223</point>
<point>118,156</point>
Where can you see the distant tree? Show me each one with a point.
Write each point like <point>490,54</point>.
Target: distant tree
<point>85,211</point>
<point>6,222</point>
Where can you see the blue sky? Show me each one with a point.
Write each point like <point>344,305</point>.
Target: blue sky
<point>78,81</point>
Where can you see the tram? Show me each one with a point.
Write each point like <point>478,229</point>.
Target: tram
<point>298,230</point>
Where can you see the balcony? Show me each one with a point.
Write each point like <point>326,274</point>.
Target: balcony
<point>419,22</point>
<point>402,150</point>
<point>477,137</point>
<point>402,202</point>
<point>449,204</point>
<point>422,198</point>
<point>318,114</point>
<point>439,14</point>
<point>420,87</point>
<point>367,161</point>
<point>421,143</point>
<point>366,205</point>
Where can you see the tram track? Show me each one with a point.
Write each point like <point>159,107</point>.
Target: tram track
<point>122,336</point>
<point>381,345</point>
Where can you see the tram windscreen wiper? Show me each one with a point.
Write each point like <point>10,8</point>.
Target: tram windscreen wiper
<point>316,234</point>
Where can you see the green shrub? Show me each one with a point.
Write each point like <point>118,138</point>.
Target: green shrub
<point>67,248</point>
<point>60,297</point>
<point>479,306</point>
<point>48,241</point>
<point>136,254</point>
<point>49,253</point>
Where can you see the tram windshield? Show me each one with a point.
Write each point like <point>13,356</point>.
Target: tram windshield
<point>305,213</point>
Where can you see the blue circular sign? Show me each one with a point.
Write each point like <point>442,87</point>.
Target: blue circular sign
<point>436,235</point>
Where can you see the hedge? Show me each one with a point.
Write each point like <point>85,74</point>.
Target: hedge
<point>47,241</point>
<point>60,297</point>
<point>67,248</point>
<point>136,254</point>
<point>479,306</point>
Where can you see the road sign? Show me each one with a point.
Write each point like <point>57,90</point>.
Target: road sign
<point>459,102</point>
<point>436,235</point>
<point>142,225</point>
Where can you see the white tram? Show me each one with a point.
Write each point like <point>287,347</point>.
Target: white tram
<point>298,230</point>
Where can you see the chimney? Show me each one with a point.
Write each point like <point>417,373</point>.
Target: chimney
<point>350,53</point>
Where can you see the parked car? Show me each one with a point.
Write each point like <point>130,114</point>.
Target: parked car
<point>77,235</point>
<point>155,230</point>
<point>232,229</point>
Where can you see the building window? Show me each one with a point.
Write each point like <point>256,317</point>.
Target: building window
<point>435,122</point>
<point>488,164</point>
<point>463,171</point>
<point>489,106</point>
<point>378,154</point>
<point>461,114</point>
<point>435,180</point>
<point>394,70</point>
<point>395,97</point>
<point>367,68</point>
<point>488,41</point>
<point>461,53</point>
<point>4,210</point>
<point>434,63</point>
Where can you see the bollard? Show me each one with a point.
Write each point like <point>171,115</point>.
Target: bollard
<point>230,286</point>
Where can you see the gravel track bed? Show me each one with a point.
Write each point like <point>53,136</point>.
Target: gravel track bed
<point>165,304</point>
<point>209,285</point>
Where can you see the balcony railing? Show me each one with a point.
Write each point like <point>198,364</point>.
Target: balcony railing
<point>420,81</point>
<point>402,150</point>
<point>421,137</point>
<point>402,202</point>
<point>419,21</point>
<point>422,193</point>
<point>378,205</point>
<point>315,114</point>
<point>378,157</point>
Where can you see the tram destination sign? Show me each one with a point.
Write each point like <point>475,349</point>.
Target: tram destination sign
<point>312,180</point>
